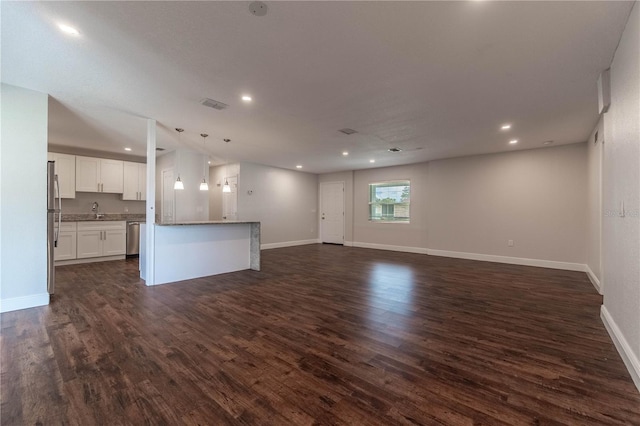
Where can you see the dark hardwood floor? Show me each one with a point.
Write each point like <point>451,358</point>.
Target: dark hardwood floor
<point>323,335</point>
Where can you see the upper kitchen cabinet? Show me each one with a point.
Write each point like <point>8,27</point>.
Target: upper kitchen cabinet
<point>135,181</point>
<point>99,175</point>
<point>65,168</point>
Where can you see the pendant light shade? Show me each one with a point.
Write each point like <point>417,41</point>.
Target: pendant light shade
<point>178,185</point>
<point>226,187</point>
<point>203,185</point>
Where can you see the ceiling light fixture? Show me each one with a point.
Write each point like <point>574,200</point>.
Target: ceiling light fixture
<point>513,141</point>
<point>298,166</point>
<point>247,98</point>
<point>178,185</point>
<point>372,161</point>
<point>345,153</point>
<point>203,185</point>
<point>505,127</point>
<point>547,142</point>
<point>127,149</point>
<point>68,30</point>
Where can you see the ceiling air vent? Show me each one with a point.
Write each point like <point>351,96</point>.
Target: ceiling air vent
<point>347,131</point>
<point>159,149</point>
<point>394,150</point>
<point>213,104</point>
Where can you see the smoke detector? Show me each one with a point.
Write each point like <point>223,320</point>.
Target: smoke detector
<point>214,104</point>
<point>347,131</point>
<point>257,8</point>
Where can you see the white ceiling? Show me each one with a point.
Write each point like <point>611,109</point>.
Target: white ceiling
<point>436,79</point>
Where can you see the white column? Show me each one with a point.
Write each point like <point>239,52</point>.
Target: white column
<point>149,261</point>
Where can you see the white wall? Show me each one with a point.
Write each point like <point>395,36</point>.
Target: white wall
<point>536,198</point>
<point>23,199</point>
<point>191,204</point>
<point>621,235</point>
<point>411,236</point>
<point>216,180</point>
<point>284,201</point>
<point>347,178</point>
<point>594,204</point>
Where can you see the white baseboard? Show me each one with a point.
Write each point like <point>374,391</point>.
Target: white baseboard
<point>348,243</point>
<point>89,260</point>
<point>405,249</point>
<point>288,244</point>
<point>17,303</point>
<point>629,358</point>
<point>568,266</point>
<point>592,277</point>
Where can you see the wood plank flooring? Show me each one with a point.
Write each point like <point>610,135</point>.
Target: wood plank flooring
<point>323,335</point>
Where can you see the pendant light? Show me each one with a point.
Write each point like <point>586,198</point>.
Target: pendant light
<point>226,187</point>
<point>178,185</point>
<point>203,185</point>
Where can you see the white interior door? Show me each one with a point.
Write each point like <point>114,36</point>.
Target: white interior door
<point>168,196</point>
<point>230,200</point>
<point>332,212</point>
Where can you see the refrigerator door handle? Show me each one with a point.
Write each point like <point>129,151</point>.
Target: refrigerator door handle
<point>55,241</point>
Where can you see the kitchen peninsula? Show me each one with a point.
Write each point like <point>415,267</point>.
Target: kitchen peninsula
<point>187,250</point>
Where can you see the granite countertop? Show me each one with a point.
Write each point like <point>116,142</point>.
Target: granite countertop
<point>209,222</point>
<point>91,217</point>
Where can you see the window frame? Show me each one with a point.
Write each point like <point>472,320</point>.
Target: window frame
<point>371,203</point>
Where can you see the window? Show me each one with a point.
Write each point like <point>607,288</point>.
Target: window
<point>389,201</point>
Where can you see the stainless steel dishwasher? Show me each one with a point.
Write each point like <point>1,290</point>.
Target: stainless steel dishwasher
<point>133,239</point>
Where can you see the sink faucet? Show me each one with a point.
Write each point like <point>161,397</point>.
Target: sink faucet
<point>94,208</point>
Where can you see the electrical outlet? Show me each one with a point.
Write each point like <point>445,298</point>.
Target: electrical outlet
<point>510,243</point>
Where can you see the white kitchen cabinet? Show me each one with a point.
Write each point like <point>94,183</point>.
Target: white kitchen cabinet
<point>99,175</point>
<point>65,168</point>
<point>66,248</point>
<point>96,239</point>
<point>135,181</point>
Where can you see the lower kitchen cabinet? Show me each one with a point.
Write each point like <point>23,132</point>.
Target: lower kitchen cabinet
<point>66,248</point>
<point>96,239</point>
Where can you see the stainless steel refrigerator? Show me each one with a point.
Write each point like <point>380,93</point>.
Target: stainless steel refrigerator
<point>54,207</point>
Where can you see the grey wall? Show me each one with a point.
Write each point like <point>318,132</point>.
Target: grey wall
<point>284,201</point>
<point>409,235</point>
<point>536,198</point>
<point>216,180</point>
<point>474,205</point>
<point>23,199</point>
<point>594,202</point>
<point>621,235</point>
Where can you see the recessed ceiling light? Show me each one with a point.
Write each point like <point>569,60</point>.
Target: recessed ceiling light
<point>372,161</point>
<point>298,166</point>
<point>127,149</point>
<point>345,153</point>
<point>69,30</point>
<point>513,141</point>
<point>547,142</point>
<point>505,127</point>
<point>246,98</point>
<point>208,162</point>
